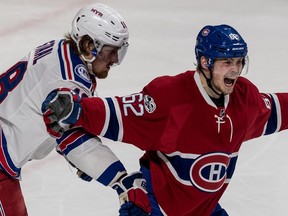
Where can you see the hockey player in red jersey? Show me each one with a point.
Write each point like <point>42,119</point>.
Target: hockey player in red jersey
<point>191,125</point>
<point>98,40</point>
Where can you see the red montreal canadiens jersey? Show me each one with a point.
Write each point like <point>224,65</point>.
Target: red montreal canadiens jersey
<point>192,145</point>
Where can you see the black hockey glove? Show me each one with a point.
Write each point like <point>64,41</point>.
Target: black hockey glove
<point>61,104</point>
<point>133,195</point>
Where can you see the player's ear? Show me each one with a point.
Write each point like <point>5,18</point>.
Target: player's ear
<point>204,62</point>
<point>90,49</point>
<point>86,45</point>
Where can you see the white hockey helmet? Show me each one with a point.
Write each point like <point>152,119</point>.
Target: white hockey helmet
<point>104,25</point>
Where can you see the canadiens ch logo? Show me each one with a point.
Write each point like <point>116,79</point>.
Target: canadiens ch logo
<point>208,172</point>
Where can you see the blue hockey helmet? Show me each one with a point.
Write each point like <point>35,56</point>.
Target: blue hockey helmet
<point>220,41</point>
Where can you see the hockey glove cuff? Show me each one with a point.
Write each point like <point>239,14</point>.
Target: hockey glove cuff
<point>133,195</point>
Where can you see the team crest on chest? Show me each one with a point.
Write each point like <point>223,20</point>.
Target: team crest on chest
<point>207,172</point>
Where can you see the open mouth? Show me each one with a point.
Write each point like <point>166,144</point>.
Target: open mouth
<point>229,82</point>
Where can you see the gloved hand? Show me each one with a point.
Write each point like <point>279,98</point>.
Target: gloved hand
<point>60,104</point>
<point>133,195</point>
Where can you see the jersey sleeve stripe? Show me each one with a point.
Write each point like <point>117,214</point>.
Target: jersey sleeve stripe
<point>107,117</point>
<point>112,131</point>
<point>274,121</point>
<point>6,164</point>
<point>72,139</point>
<point>111,172</point>
<point>119,118</point>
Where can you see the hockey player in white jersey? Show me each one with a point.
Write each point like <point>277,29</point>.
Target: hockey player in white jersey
<point>98,40</point>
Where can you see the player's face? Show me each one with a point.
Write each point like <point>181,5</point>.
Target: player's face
<point>104,60</point>
<point>226,73</point>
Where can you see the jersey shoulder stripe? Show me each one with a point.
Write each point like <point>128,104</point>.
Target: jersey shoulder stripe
<point>72,67</point>
<point>65,63</point>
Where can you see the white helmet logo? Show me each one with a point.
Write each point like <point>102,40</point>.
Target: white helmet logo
<point>234,36</point>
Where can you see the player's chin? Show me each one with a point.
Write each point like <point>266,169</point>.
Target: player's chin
<point>102,75</point>
<point>228,90</point>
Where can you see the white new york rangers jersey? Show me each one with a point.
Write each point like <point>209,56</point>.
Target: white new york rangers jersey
<point>23,88</point>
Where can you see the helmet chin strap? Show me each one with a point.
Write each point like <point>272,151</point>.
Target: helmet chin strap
<point>209,81</point>
<point>88,61</point>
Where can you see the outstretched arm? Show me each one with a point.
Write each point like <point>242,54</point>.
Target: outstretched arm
<point>90,156</point>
